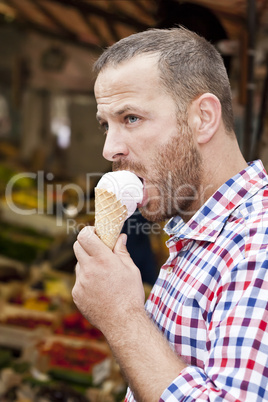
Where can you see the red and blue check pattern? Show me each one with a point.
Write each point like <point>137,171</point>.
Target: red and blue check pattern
<point>211,297</point>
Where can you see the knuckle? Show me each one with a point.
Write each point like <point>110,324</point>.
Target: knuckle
<point>101,259</point>
<point>74,294</point>
<point>85,233</point>
<point>75,245</point>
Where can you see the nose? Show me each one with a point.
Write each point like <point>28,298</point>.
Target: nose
<point>114,147</point>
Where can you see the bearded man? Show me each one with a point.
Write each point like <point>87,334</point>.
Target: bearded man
<point>164,103</point>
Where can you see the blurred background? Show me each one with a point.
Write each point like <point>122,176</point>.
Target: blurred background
<point>51,159</point>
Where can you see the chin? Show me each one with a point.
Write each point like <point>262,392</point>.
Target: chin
<point>153,215</point>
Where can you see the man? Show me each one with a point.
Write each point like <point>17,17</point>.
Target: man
<point>165,105</point>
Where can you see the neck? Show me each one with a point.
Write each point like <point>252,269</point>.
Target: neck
<point>222,164</point>
<point>218,167</point>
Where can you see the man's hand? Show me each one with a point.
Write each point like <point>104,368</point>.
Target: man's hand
<point>108,287</point>
<point>109,293</point>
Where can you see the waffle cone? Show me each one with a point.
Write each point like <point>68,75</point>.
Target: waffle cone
<point>110,216</point>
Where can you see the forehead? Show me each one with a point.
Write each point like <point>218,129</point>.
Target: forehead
<point>139,73</point>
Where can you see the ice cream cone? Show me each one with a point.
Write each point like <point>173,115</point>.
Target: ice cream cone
<point>110,216</point>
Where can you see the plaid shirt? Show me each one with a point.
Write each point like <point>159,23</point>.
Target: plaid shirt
<point>211,297</point>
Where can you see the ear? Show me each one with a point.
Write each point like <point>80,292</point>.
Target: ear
<point>205,117</point>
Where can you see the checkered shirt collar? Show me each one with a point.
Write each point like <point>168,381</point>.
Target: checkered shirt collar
<point>209,220</point>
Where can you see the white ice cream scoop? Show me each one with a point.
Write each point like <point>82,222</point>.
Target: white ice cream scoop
<point>126,186</point>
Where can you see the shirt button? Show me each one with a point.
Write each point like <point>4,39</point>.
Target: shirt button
<point>169,270</point>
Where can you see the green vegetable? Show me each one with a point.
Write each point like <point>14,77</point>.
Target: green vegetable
<point>71,376</point>
<point>20,366</point>
<point>5,358</point>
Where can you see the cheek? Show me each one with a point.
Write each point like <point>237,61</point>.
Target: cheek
<point>143,153</point>
<point>149,144</point>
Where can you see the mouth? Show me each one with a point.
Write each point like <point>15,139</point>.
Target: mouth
<point>141,179</point>
<point>145,193</point>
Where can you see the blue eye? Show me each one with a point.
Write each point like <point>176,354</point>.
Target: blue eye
<point>132,119</point>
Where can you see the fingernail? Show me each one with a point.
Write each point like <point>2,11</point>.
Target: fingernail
<point>84,231</point>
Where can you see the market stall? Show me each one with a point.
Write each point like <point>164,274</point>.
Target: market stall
<point>50,162</point>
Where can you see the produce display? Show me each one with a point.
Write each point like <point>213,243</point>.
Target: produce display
<point>48,350</point>
<point>23,244</point>
<point>66,355</point>
<point>29,319</point>
<point>57,352</point>
<point>74,324</point>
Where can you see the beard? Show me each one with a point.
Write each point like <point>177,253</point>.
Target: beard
<point>173,179</point>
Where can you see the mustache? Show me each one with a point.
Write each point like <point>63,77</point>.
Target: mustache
<point>136,168</point>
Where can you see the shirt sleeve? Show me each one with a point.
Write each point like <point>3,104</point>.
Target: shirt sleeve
<point>236,364</point>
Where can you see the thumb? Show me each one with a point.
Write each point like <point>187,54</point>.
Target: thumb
<point>121,251</point>
<point>120,248</point>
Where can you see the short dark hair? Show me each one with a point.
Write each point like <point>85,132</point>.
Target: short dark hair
<point>189,65</point>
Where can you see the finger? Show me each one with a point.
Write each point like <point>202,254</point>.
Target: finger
<point>121,251</point>
<point>91,243</point>
<point>76,286</point>
<point>82,256</point>
<point>76,268</point>
<point>120,246</point>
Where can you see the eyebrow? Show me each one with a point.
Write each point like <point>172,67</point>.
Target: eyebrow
<point>121,111</point>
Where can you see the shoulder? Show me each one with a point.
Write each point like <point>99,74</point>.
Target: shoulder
<point>247,226</point>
